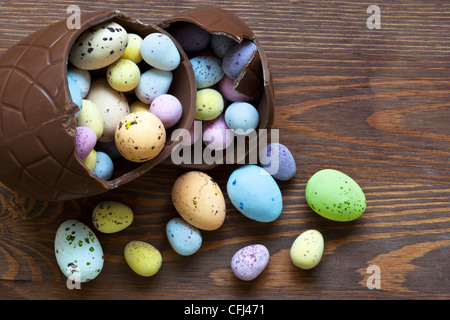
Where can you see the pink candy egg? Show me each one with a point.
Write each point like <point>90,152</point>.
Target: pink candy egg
<point>215,134</point>
<point>85,141</point>
<point>227,91</point>
<point>167,108</point>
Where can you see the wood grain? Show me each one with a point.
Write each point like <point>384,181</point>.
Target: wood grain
<point>371,103</point>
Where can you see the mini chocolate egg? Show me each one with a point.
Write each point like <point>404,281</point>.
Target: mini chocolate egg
<point>153,83</point>
<point>191,37</point>
<point>91,117</point>
<point>335,196</point>
<point>167,108</point>
<point>209,104</point>
<point>183,238</point>
<point>237,57</point>
<point>133,50</point>
<point>278,161</point>
<point>143,258</point>
<point>112,216</point>
<point>249,262</point>
<point>225,87</point>
<point>85,141</point>
<point>104,167</point>
<point>137,106</point>
<point>216,134</point>
<point>112,104</point>
<point>123,75</point>
<point>78,251</point>
<point>242,117</point>
<point>91,160</point>
<point>140,136</point>
<point>82,78</point>
<point>99,46</point>
<point>159,51</point>
<point>220,44</point>
<point>199,200</point>
<point>307,249</point>
<point>207,70</point>
<point>75,92</point>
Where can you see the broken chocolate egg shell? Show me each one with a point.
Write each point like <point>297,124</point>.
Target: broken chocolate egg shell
<point>255,79</point>
<point>38,156</point>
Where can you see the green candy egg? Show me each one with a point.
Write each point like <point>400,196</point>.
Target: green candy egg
<point>335,196</point>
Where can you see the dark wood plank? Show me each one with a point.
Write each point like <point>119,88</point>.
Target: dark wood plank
<point>371,103</point>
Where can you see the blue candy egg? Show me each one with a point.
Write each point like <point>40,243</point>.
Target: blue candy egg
<point>278,161</point>
<point>152,84</point>
<point>242,117</point>
<point>207,70</point>
<point>159,51</point>
<point>75,92</point>
<point>184,238</point>
<point>104,168</point>
<point>254,192</point>
<point>82,78</point>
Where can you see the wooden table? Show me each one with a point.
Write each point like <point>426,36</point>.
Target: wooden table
<point>373,103</point>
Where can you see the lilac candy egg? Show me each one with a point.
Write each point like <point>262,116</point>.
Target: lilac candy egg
<point>220,44</point>
<point>207,70</point>
<point>190,36</point>
<point>236,58</point>
<point>167,108</point>
<point>249,262</point>
<point>278,161</point>
<point>85,141</point>
<point>216,134</point>
<point>104,167</point>
<point>227,91</point>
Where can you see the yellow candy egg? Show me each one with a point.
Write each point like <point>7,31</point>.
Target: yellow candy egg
<point>91,117</point>
<point>209,104</point>
<point>199,200</point>
<point>91,160</point>
<point>307,249</point>
<point>133,50</point>
<point>140,136</point>
<point>137,106</point>
<point>143,258</point>
<point>123,75</point>
<point>111,216</point>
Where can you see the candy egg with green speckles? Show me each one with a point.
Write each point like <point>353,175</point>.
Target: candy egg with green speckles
<point>78,251</point>
<point>111,216</point>
<point>335,196</point>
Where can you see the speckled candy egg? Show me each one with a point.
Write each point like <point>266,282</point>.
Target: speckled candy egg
<point>184,238</point>
<point>99,46</point>
<point>159,51</point>
<point>307,249</point>
<point>111,216</point>
<point>123,75</point>
<point>225,87</point>
<point>153,83</point>
<point>140,136</point>
<point>191,37</point>
<point>237,57</point>
<point>91,117</point>
<point>242,117</point>
<point>85,141</point>
<point>216,134</point>
<point>220,44</point>
<point>133,50</point>
<point>143,258</point>
<point>199,200</point>
<point>207,70</point>
<point>278,161</point>
<point>249,262</point>
<point>78,251</point>
<point>335,196</point>
<point>75,92</point>
<point>104,167</point>
<point>254,192</point>
<point>167,108</point>
<point>209,104</point>
<point>112,104</point>
<point>82,78</point>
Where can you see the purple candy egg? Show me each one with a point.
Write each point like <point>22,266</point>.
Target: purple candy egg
<point>278,161</point>
<point>85,141</point>
<point>227,91</point>
<point>167,108</point>
<point>249,262</point>
<point>216,134</point>
<point>237,57</point>
<point>190,36</point>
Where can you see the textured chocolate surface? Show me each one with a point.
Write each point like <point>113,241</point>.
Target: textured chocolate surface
<point>37,117</point>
